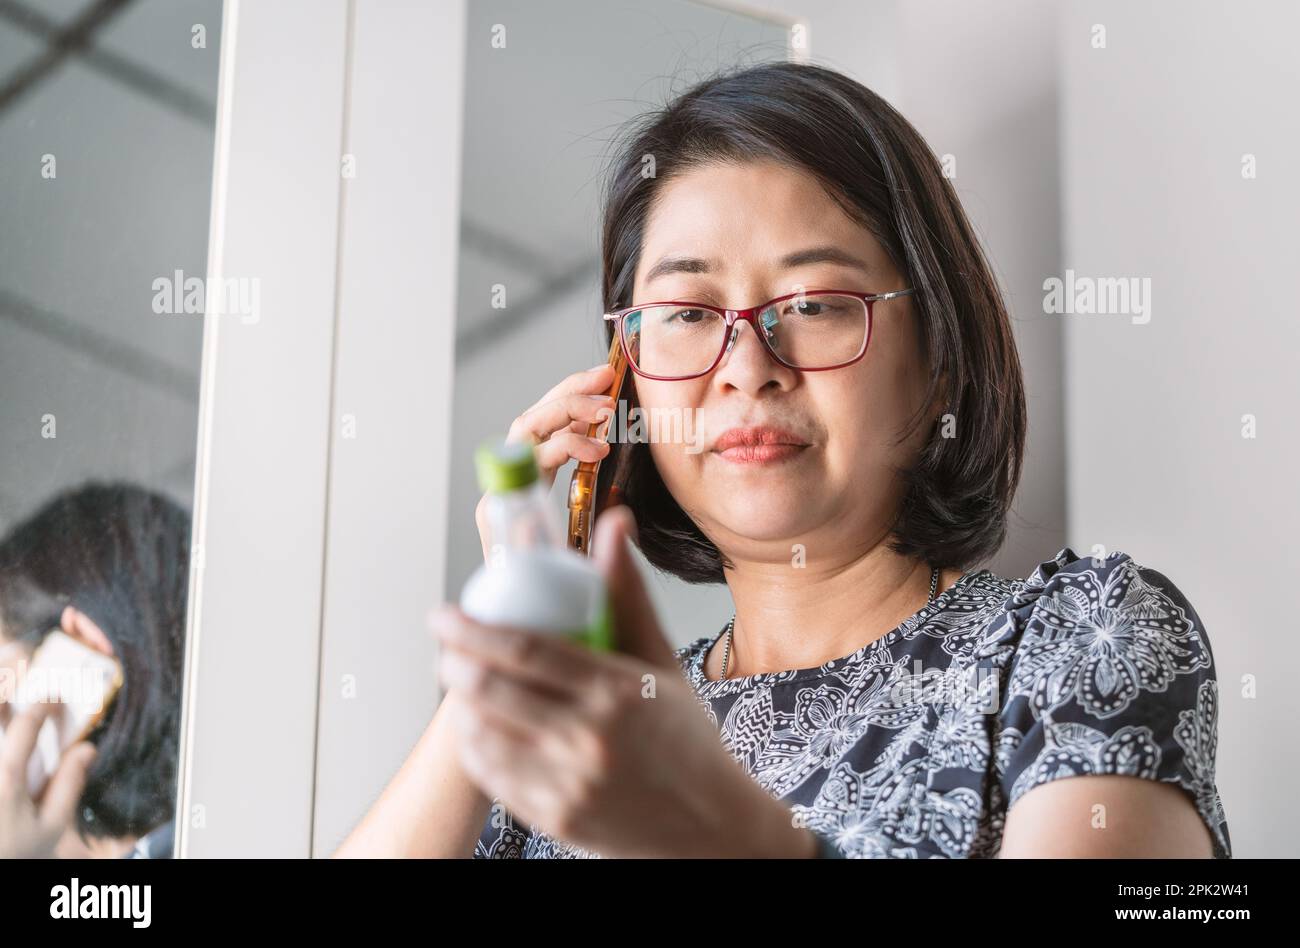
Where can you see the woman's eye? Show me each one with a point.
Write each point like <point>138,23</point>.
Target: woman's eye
<point>807,308</point>
<point>689,316</point>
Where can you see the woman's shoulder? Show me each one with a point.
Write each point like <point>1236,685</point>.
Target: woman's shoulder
<point>1110,670</point>
<point>1101,591</point>
<point>1059,569</point>
<point>1127,625</point>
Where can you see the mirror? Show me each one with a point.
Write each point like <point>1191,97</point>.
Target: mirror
<point>107,120</point>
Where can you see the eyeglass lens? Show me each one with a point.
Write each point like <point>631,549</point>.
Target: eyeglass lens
<point>815,331</point>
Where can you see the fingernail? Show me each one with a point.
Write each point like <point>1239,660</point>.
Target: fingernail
<point>597,368</point>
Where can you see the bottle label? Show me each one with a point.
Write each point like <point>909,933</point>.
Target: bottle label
<point>599,636</point>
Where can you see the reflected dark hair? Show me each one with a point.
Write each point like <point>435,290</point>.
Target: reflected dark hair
<point>120,554</point>
<point>879,169</point>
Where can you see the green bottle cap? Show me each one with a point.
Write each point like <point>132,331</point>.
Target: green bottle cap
<point>504,466</point>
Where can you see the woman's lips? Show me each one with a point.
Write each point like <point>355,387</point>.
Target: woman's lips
<point>758,445</point>
<point>761,453</point>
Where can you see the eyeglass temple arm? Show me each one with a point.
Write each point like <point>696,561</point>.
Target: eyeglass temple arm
<point>874,297</point>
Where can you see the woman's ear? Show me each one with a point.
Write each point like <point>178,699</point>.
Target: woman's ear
<point>83,628</point>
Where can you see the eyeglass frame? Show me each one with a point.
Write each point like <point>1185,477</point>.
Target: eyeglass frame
<point>731,332</point>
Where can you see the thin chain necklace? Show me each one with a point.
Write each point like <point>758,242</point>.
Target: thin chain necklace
<point>726,652</point>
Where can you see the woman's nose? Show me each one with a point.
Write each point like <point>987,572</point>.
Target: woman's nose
<point>735,331</point>
<point>746,363</point>
<point>753,347</point>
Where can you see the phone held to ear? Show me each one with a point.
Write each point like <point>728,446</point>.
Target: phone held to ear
<point>531,580</point>
<point>583,501</point>
<point>82,681</point>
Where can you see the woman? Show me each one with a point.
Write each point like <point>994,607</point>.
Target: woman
<point>108,564</point>
<point>875,694</point>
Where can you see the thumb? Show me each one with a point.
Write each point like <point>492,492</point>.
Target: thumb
<point>636,627</point>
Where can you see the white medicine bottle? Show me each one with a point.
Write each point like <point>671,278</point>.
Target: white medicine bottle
<point>531,579</point>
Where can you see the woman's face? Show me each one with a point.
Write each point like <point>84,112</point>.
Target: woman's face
<point>842,489</point>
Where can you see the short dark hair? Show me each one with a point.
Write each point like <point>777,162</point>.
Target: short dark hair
<point>120,554</point>
<point>880,170</point>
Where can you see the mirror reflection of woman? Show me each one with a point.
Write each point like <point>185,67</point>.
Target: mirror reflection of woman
<point>877,694</point>
<point>108,563</point>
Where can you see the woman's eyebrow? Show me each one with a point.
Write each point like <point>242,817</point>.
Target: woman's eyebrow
<point>826,254</point>
<point>800,258</point>
<point>670,264</point>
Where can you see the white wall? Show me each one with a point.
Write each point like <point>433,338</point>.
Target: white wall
<point>1155,127</point>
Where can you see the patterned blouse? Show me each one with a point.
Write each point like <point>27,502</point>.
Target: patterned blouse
<point>918,743</point>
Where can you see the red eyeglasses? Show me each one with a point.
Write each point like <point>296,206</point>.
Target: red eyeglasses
<point>812,331</point>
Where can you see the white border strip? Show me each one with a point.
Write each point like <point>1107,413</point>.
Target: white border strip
<point>203,451</point>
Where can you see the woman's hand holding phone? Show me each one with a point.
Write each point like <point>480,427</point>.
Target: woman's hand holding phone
<point>30,829</point>
<point>558,424</point>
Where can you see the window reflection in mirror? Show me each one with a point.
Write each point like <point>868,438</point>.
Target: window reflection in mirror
<point>107,116</point>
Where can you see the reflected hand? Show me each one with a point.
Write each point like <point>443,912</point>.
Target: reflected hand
<point>30,829</point>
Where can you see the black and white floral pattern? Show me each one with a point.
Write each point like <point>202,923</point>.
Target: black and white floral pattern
<point>917,745</point>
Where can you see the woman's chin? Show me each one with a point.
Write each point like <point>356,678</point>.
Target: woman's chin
<point>766,519</point>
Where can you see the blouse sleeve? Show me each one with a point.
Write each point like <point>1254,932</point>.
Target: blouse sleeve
<point>502,837</point>
<point>1113,674</point>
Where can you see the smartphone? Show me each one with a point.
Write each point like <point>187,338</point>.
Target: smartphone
<point>583,499</point>
<point>82,681</point>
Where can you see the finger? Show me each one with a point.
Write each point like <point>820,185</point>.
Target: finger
<point>529,775</point>
<point>20,741</point>
<point>80,626</point>
<point>538,423</point>
<point>545,419</point>
<point>59,802</point>
<point>513,704</point>
<point>557,452</point>
<point>8,649</point>
<point>541,659</point>
<point>592,382</point>
<point>636,626</point>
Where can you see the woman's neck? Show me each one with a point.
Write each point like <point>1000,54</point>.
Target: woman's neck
<point>790,616</point>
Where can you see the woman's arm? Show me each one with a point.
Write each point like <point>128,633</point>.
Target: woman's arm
<point>430,808</point>
<point>1107,816</point>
